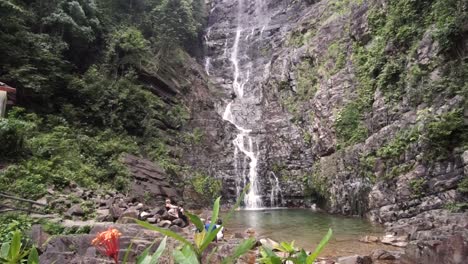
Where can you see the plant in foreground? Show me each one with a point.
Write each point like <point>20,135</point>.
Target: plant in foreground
<point>13,252</point>
<point>107,242</point>
<point>292,254</point>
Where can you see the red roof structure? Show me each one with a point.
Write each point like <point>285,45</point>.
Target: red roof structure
<point>11,92</point>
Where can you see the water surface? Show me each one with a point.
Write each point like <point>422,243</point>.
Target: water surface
<point>307,228</point>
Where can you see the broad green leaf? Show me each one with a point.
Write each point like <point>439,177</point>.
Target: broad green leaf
<point>145,257</point>
<point>214,216</point>
<point>196,220</point>
<point>199,237</point>
<point>15,246</point>
<point>209,238</point>
<point>323,242</point>
<point>269,257</point>
<point>4,250</point>
<point>185,256</point>
<point>33,257</point>
<point>302,256</point>
<point>286,247</point>
<point>240,250</point>
<point>159,251</point>
<point>166,232</point>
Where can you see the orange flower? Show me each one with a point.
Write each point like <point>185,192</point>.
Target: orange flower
<point>107,243</point>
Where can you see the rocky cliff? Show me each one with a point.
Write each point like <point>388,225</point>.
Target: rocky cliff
<point>358,106</point>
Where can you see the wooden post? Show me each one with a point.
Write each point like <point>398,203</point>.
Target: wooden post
<point>3,103</point>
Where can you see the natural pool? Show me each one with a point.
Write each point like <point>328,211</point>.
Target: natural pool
<point>307,228</point>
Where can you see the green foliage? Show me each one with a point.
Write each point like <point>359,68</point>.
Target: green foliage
<point>127,49</point>
<point>417,187</point>
<point>456,207</point>
<point>399,144</point>
<point>59,154</point>
<point>13,252</point>
<point>207,186</point>
<point>175,23</point>
<point>307,83</point>
<point>12,222</point>
<point>449,16</point>
<point>349,126</point>
<point>291,253</point>
<point>463,185</point>
<point>442,133</point>
<point>195,137</point>
<point>145,257</point>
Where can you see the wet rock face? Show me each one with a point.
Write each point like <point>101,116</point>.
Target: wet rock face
<point>295,63</point>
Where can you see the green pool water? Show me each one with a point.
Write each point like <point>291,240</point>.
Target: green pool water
<point>307,228</point>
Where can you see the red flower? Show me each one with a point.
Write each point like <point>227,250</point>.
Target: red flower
<point>107,243</point>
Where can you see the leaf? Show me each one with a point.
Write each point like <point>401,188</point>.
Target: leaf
<point>4,250</point>
<point>196,220</point>
<point>15,246</point>
<point>214,216</point>
<point>33,257</point>
<point>269,257</point>
<point>166,232</point>
<point>302,256</point>
<point>321,245</point>
<point>240,250</point>
<point>209,238</point>
<point>199,237</point>
<point>185,256</point>
<point>159,251</point>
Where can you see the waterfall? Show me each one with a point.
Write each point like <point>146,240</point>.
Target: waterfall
<point>243,111</point>
<point>207,65</point>
<point>275,194</point>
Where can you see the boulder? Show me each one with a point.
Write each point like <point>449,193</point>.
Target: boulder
<point>164,223</point>
<point>270,243</point>
<point>355,260</point>
<point>380,254</point>
<point>451,250</point>
<point>179,222</point>
<point>115,212</point>
<point>75,210</point>
<point>128,215</point>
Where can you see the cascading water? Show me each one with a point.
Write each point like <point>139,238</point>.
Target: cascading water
<point>242,111</point>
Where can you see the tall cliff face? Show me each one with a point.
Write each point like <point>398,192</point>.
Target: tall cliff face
<point>357,105</point>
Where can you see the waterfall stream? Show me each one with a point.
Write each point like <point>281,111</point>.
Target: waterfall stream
<point>242,110</point>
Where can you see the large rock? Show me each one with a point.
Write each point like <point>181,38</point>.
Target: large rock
<point>150,184</point>
<point>452,250</point>
<point>75,210</point>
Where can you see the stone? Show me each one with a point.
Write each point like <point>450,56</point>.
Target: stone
<point>164,223</point>
<point>380,254</point>
<point>144,215</point>
<point>115,212</point>
<point>398,241</point>
<point>270,243</point>
<point>128,216</point>
<point>176,228</point>
<point>450,250</point>
<point>356,259</point>
<point>75,210</point>
<point>369,239</point>
<point>152,220</point>
<point>38,236</point>
<point>179,222</point>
